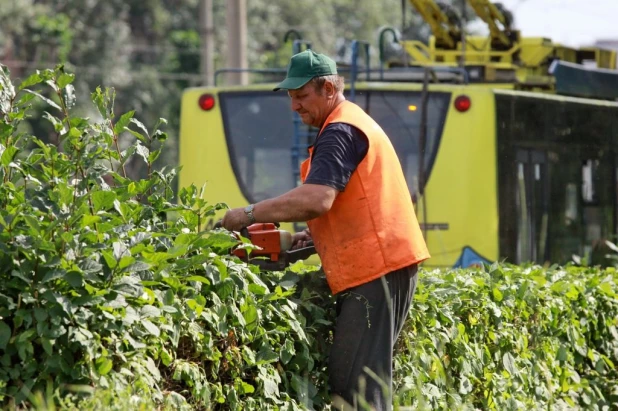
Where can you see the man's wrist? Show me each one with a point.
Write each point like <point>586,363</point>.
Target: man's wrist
<point>249,213</point>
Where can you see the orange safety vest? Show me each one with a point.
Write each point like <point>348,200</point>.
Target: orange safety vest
<point>371,228</point>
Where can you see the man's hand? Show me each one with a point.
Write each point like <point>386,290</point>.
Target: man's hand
<point>300,240</point>
<point>235,219</point>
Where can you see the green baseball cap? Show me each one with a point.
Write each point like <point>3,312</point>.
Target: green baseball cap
<point>304,66</point>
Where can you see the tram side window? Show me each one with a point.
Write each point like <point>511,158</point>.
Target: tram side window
<point>581,185</point>
<point>399,115</point>
<point>259,131</point>
<point>598,198</point>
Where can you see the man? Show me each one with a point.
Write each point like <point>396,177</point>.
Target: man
<point>361,218</point>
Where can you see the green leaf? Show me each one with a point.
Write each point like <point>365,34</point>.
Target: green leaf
<point>103,200</point>
<point>40,314</point>
<point>266,355</point>
<point>271,388</point>
<point>69,96</point>
<point>160,136</point>
<point>138,136</point>
<point>8,155</point>
<point>53,275</point>
<point>58,125</point>
<point>45,99</point>
<point>607,289</point>
<point>24,99</point>
<point>509,363</point>
<point>148,311</point>
<point>120,250</point>
<point>151,328</point>
<point>47,346</point>
<point>25,336</point>
<point>152,367</point>
<point>248,355</point>
<point>166,357</point>
<point>198,278</point>
<point>288,352</point>
<point>497,294</point>
<point>169,309</point>
<point>32,223</point>
<point>65,79</point>
<point>126,261</point>
<point>31,80</point>
<point>226,288</point>
<point>154,155</point>
<point>137,266</point>
<point>109,259</point>
<point>75,279</point>
<point>143,152</point>
<point>257,289</point>
<point>123,121</point>
<point>89,220</point>
<point>247,388</point>
<point>5,335</point>
<point>465,386</point>
<point>140,125</point>
<point>251,317</point>
<point>103,365</point>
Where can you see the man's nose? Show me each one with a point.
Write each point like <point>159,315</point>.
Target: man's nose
<point>295,105</point>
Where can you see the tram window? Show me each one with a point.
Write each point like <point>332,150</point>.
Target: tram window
<point>391,110</point>
<point>588,180</point>
<point>570,204</point>
<point>581,183</point>
<point>259,130</point>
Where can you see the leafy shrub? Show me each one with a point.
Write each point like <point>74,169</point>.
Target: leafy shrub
<point>105,302</point>
<point>512,338</point>
<point>100,289</point>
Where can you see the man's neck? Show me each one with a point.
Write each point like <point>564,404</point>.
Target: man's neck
<point>340,99</point>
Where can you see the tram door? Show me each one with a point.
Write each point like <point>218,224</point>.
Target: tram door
<point>531,205</point>
<point>565,204</point>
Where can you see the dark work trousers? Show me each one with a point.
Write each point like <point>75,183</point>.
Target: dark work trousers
<point>369,320</point>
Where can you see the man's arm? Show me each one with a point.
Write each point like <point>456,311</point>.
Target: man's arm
<point>302,203</point>
<point>337,153</point>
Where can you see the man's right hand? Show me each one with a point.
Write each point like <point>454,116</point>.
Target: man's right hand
<point>301,240</point>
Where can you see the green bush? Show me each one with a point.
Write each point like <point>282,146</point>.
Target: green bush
<point>512,338</point>
<point>99,289</point>
<point>105,302</point>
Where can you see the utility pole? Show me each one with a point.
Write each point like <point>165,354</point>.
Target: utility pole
<point>237,40</point>
<point>207,36</point>
<point>464,23</point>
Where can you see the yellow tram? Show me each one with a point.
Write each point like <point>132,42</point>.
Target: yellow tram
<point>509,145</point>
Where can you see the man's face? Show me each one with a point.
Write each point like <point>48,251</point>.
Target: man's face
<point>309,104</point>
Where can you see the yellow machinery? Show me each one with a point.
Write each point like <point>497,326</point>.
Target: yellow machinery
<point>504,56</point>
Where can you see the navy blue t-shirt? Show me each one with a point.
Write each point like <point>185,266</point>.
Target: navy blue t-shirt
<point>336,154</point>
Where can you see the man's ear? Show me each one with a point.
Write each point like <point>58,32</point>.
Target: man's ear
<point>329,89</point>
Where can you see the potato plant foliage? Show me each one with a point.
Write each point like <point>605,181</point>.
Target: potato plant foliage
<point>106,301</point>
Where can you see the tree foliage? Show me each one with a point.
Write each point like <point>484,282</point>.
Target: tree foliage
<point>149,50</point>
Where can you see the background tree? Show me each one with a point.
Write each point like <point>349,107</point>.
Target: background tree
<point>149,50</point>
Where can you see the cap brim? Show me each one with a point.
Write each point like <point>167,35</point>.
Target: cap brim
<point>292,83</point>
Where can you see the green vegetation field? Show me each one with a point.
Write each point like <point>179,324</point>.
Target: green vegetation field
<point>112,298</point>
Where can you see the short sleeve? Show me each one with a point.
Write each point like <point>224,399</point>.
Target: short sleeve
<point>337,153</point>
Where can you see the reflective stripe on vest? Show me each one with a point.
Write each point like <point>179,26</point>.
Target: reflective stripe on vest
<point>371,229</point>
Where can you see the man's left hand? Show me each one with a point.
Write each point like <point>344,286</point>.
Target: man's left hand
<point>235,219</point>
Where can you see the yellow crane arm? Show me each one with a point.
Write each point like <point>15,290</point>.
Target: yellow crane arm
<point>490,14</point>
<point>442,27</point>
